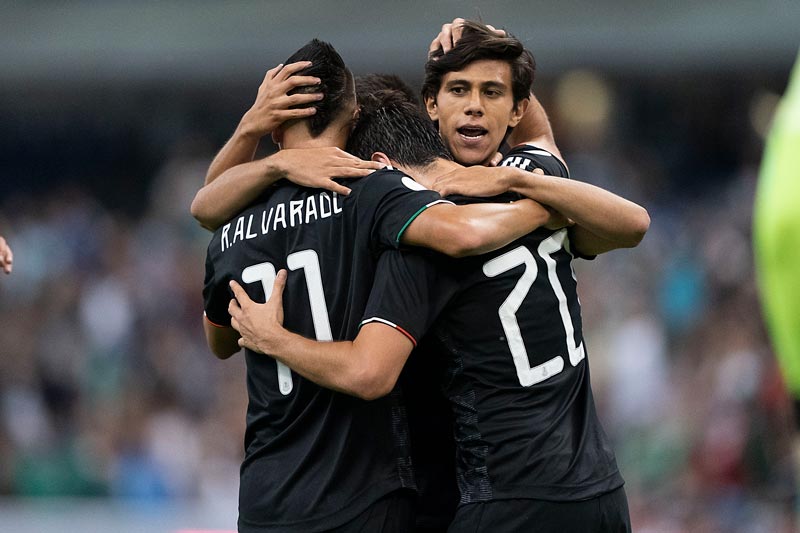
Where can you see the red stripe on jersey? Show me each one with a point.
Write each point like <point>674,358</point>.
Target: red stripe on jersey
<point>392,324</point>
<point>213,323</point>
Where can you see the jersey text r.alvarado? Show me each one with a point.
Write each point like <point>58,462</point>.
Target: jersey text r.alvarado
<point>281,216</point>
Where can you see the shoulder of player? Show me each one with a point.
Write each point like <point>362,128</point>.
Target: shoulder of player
<point>386,173</point>
<point>388,177</point>
<point>538,156</point>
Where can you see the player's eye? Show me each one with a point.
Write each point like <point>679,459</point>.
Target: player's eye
<point>492,93</point>
<point>458,90</point>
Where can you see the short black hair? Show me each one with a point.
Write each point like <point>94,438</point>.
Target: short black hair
<point>478,42</point>
<point>336,83</point>
<point>370,84</point>
<point>389,123</point>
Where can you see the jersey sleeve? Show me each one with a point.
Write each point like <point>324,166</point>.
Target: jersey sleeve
<point>529,157</point>
<point>216,296</point>
<point>409,292</point>
<point>394,200</point>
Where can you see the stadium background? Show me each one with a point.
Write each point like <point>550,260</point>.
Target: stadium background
<point>113,413</point>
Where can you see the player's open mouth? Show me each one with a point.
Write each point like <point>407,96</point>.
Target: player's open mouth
<point>472,133</point>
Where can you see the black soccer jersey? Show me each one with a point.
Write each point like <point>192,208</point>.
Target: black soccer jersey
<point>430,425</point>
<point>314,458</point>
<point>517,378</point>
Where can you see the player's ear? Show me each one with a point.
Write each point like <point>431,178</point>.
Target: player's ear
<point>518,112</point>
<point>431,108</point>
<point>380,157</point>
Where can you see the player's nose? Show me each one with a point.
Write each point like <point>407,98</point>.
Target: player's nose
<point>474,104</point>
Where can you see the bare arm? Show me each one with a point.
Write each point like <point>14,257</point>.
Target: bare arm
<point>603,220</point>
<point>367,367</point>
<point>462,230</point>
<point>224,342</point>
<point>238,187</point>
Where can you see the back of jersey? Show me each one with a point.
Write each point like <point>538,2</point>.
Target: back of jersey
<point>314,458</point>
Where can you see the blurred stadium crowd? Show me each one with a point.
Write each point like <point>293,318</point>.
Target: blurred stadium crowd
<point>108,390</point>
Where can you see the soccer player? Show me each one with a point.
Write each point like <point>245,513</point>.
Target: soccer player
<point>776,232</point>
<point>234,179</point>
<point>534,454</point>
<point>531,452</point>
<point>316,459</point>
<point>6,256</point>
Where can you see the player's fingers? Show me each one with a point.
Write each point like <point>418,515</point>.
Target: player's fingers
<point>458,28</point>
<point>239,294</point>
<point>233,308</point>
<point>277,287</point>
<point>434,46</point>
<point>334,151</point>
<point>538,171</point>
<point>446,37</point>
<point>357,162</point>
<point>336,187</point>
<point>352,172</point>
<point>271,73</point>
<point>500,33</point>
<point>293,68</point>
<point>235,324</point>
<point>288,114</point>
<point>440,187</point>
<point>496,159</point>
<point>300,98</point>
<point>297,81</point>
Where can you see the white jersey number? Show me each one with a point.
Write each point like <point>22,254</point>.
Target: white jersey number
<point>308,261</point>
<point>508,309</point>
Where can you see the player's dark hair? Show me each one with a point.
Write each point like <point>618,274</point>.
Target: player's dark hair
<point>336,83</point>
<point>370,84</point>
<point>479,42</point>
<point>389,123</point>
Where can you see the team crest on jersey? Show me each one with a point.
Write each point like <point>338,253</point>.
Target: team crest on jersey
<point>413,185</point>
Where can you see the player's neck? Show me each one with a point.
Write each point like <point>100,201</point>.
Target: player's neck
<point>427,175</point>
<point>298,137</point>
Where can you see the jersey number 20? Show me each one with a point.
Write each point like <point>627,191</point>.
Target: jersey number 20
<point>527,374</point>
<point>309,262</point>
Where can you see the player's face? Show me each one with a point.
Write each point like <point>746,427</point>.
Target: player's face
<point>474,107</point>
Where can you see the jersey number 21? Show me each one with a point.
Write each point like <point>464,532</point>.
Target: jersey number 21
<point>308,261</point>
